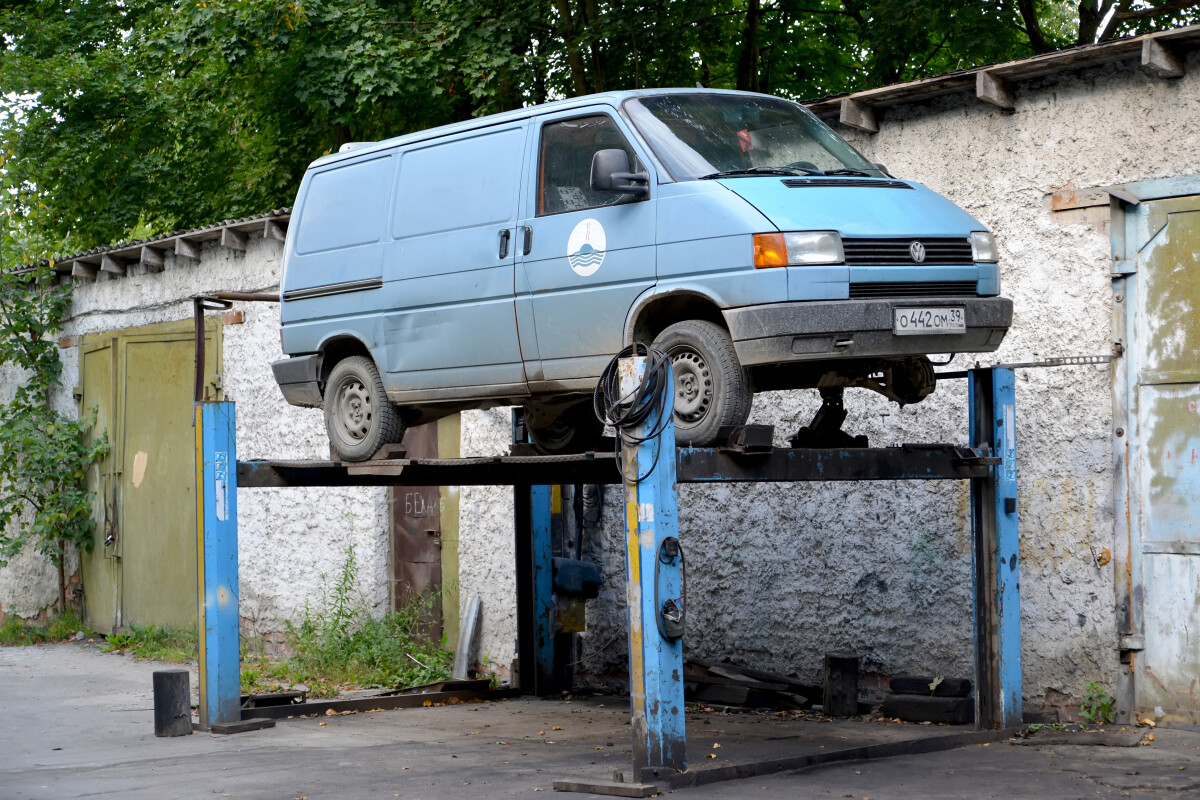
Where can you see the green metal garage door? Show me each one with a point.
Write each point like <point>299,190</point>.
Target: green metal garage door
<point>143,567</point>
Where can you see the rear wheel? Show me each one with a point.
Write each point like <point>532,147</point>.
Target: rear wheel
<point>712,389</point>
<point>359,418</point>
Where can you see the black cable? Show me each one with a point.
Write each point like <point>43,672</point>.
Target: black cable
<point>627,413</point>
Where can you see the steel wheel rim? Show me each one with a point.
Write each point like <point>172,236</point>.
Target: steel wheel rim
<point>353,410</point>
<point>693,386</point>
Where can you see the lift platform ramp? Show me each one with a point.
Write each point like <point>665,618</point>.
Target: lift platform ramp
<point>655,550</point>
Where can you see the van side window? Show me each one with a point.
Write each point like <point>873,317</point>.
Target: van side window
<point>565,163</point>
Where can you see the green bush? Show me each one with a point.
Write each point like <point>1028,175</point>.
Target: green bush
<point>156,642</point>
<point>14,631</point>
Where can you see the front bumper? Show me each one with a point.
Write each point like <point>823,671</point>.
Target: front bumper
<point>298,379</point>
<point>777,333</point>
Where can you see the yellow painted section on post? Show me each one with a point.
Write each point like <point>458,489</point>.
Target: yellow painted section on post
<point>637,672</point>
<point>198,424</point>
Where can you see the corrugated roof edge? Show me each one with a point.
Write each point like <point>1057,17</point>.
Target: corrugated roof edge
<point>112,258</point>
<point>1160,53</point>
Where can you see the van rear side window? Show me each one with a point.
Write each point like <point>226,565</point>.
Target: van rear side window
<point>460,184</point>
<point>345,206</point>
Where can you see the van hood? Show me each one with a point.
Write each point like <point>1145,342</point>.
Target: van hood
<point>854,208</point>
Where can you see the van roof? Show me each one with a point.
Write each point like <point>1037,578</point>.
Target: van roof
<point>611,98</point>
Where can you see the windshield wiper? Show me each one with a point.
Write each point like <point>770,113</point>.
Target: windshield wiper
<point>733,173</point>
<point>847,172</point>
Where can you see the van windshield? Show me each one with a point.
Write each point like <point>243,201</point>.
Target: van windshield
<point>716,136</point>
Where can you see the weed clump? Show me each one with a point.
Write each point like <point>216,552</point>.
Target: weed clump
<point>156,642</point>
<point>14,631</point>
<point>337,643</point>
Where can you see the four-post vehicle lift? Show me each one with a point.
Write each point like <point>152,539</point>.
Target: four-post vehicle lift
<point>654,546</point>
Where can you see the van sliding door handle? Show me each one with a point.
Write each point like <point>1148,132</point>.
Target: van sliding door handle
<point>528,240</point>
<point>505,235</point>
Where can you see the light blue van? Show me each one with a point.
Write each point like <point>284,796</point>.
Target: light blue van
<point>504,260</point>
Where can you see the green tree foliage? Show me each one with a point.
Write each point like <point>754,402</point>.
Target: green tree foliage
<point>133,115</point>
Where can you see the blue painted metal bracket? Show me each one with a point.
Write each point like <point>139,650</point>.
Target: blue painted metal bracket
<point>651,516</point>
<point>992,395</point>
<point>217,564</point>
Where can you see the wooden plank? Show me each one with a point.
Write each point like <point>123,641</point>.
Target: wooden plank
<point>1065,199</point>
<point>919,685</point>
<point>187,248</point>
<point>273,229</point>
<point>913,708</point>
<point>152,258</point>
<point>841,685</point>
<point>995,90</point>
<point>1161,59</point>
<point>233,240</point>
<point>606,788</point>
<point>110,264</point>
<point>80,269</point>
<point>858,115</point>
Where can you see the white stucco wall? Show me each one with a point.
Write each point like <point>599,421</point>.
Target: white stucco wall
<point>780,574</point>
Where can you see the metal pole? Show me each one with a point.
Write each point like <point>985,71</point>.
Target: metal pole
<point>654,580</point>
<point>992,400</point>
<point>542,553</point>
<point>217,564</point>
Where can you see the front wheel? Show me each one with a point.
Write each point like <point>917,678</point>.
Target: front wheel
<point>712,389</point>
<point>359,418</point>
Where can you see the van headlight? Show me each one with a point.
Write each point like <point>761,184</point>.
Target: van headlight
<point>983,247</point>
<point>797,249</point>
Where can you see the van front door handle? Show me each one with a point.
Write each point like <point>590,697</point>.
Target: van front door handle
<point>528,240</point>
<point>504,237</point>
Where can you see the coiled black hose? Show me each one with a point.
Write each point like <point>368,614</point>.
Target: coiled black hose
<point>627,413</point>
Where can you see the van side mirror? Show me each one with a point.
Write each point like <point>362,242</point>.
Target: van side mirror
<point>610,173</point>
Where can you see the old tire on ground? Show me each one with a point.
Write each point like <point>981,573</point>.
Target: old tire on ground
<point>575,430</point>
<point>359,418</point>
<point>712,389</point>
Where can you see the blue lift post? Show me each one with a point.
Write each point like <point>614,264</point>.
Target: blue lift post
<point>652,518</point>
<point>992,402</point>
<point>217,565</point>
<point>541,500</point>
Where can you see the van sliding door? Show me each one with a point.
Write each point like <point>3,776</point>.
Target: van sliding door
<point>452,332</point>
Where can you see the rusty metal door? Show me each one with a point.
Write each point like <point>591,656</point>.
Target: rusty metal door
<point>1157,436</point>
<point>417,534</point>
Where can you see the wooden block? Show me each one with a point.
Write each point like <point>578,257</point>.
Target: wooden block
<point>110,264</point>
<point>857,115</point>
<point>187,248</point>
<point>606,788</point>
<point>995,90</point>
<point>912,708</point>
<point>152,258</point>
<point>274,230</point>
<point>1161,60</point>
<point>233,240</point>
<point>919,684</point>
<point>79,269</point>
<point>841,685</point>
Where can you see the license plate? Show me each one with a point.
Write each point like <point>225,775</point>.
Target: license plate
<point>913,321</point>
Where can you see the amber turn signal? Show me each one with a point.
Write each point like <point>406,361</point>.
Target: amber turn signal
<point>770,250</point>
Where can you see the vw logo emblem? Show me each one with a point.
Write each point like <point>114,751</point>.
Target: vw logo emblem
<point>917,251</point>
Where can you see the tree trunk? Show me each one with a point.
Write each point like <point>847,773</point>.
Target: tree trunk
<point>570,37</point>
<point>748,64</point>
<point>591,18</point>
<point>1033,28</point>
<point>62,577</point>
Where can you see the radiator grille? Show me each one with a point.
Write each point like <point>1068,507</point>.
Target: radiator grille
<point>927,289</point>
<point>938,252</point>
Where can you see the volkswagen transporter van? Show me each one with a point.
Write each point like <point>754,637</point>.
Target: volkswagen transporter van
<point>504,260</point>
